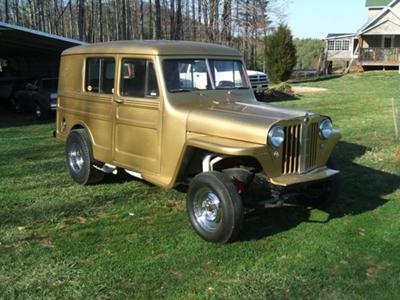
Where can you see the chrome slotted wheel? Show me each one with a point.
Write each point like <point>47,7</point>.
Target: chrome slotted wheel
<point>75,158</point>
<point>207,209</point>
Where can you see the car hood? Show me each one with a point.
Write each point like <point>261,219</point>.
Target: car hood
<point>255,73</point>
<point>239,120</point>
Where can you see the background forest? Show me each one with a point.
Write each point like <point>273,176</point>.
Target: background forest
<point>242,24</point>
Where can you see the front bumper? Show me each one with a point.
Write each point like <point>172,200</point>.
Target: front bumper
<point>315,175</point>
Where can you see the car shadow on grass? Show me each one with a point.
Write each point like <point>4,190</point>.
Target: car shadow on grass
<point>363,189</point>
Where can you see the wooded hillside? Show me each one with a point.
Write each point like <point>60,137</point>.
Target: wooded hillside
<point>243,24</point>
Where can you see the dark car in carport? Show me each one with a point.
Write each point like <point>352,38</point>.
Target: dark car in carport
<point>39,97</point>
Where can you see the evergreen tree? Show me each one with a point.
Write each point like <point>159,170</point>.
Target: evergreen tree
<point>280,54</point>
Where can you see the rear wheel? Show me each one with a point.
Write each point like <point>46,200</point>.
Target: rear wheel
<point>215,208</point>
<point>79,156</point>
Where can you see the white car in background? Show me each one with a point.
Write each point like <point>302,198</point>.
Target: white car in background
<point>258,81</point>
<point>194,75</point>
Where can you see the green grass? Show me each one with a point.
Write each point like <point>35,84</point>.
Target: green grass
<point>128,239</point>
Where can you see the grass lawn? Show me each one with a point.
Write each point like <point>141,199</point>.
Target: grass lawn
<point>127,239</point>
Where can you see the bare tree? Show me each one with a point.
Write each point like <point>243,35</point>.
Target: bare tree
<point>81,19</point>
<point>101,34</point>
<point>158,19</point>
<point>226,22</point>
<point>7,11</point>
<point>178,27</point>
<point>243,24</point>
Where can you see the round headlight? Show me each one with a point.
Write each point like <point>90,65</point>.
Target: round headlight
<point>276,136</point>
<point>325,128</point>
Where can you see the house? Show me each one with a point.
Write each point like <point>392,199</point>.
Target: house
<point>374,45</point>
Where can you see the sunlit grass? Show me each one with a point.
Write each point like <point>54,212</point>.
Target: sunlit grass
<point>127,239</point>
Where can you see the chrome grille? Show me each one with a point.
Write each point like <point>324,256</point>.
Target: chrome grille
<point>311,159</point>
<point>300,148</point>
<point>256,80</point>
<point>291,149</point>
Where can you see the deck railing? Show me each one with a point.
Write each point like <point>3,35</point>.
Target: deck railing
<point>380,55</point>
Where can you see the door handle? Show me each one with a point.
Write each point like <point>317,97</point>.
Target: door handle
<point>119,101</point>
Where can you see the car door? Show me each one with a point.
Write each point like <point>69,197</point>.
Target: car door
<point>137,120</point>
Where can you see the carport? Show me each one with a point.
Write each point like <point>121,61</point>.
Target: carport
<point>26,54</point>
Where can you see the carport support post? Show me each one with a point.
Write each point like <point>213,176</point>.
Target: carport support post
<point>396,120</point>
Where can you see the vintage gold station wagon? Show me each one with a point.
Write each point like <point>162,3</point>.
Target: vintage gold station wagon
<point>183,113</point>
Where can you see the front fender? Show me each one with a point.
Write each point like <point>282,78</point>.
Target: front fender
<point>223,145</point>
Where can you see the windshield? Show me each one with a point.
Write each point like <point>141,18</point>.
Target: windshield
<point>185,75</point>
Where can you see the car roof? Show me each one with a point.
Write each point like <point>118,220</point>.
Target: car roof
<point>154,48</point>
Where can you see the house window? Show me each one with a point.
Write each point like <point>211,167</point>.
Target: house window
<point>331,45</point>
<point>387,42</point>
<point>346,45</point>
<point>339,45</point>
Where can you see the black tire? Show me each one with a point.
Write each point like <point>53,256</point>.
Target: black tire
<point>207,186</point>
<point>79,157</point>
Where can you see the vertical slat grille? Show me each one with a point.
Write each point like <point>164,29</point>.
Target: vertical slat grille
<point>299,157</point>
<point>291,150</point>
<point>311,159</point>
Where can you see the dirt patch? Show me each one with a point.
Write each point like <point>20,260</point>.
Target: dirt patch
<point>306,89</point>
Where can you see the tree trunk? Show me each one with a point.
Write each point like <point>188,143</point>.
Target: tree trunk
<point>151,20</point>
<point>226,23</point>
<point>172,19</point>
<point>158,19</point>
<point>198,18</point>
<point>101,34</point>
<point>81,19</point>
<point>205,19</point>
<point>141,20</point>
<point>179,27</point>
<point>194,20</point>
<point>7,11</point>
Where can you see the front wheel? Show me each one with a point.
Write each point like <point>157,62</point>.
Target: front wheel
<point>215,208</point>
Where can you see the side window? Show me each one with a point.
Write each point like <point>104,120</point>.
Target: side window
<point>138,78</point>
<point>100,74</point>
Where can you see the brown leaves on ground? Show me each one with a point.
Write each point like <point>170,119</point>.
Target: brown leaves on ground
<point>398,153</point>
<point>372,271</point>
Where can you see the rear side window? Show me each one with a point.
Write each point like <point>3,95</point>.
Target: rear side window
<point>100,73</point>
<point>138,79</point>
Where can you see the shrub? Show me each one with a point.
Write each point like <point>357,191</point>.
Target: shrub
<point>280,54</point>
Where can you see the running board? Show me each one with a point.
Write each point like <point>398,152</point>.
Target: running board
<point>107,168</point>
<point>134,174</point>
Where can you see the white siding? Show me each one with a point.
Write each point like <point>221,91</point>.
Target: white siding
<point>373,12</point>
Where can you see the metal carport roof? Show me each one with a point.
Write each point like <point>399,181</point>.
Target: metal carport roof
<point>17,40</point>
